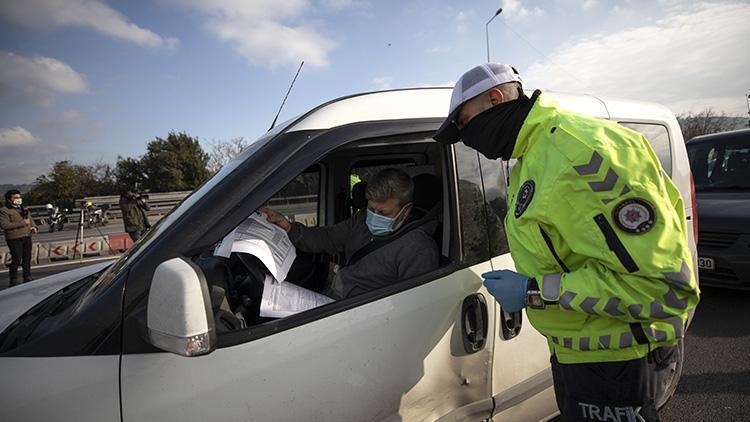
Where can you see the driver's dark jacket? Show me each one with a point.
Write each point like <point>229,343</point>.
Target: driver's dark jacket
<point>410,255</point>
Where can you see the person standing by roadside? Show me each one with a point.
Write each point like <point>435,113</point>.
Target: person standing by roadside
<point>598,235</point>
<point>134,217</point>
<point>18,228</point>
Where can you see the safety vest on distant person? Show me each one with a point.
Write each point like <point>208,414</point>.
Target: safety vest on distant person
<point>602,228</point>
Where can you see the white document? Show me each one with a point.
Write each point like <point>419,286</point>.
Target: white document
<point>283,299</point>
<point>268,242</point>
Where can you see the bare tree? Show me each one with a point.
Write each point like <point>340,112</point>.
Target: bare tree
<point>222,152</point>
<point>705,122</point>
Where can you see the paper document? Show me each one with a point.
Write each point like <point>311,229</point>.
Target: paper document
<point>283,299</point>
<point>268,242</point>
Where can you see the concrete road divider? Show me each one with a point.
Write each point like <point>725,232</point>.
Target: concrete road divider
<point>4,256</point>
<point>45,253</point>
<point>58,252</point>
<point>119,242</point>
<point>93,248</point>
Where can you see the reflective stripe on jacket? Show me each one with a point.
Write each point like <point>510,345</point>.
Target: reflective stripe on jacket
<point>602,228</point>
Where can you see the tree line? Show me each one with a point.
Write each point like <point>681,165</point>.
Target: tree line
<point>175,163</point>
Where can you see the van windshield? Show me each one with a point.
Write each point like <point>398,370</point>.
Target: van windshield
<point>163,224</point>
<point>720,166</point>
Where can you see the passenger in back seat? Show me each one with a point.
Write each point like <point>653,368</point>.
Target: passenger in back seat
<point>382,245</point>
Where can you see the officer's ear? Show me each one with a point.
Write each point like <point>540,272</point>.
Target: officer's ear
<point>496,96</point>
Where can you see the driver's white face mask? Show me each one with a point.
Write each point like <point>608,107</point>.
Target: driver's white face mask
<point>17,202</point>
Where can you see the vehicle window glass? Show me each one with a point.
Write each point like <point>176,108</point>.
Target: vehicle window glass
<point>720,166</point>
<point>473,214</point>
<point>658,137</point>
<point>176,212</point>
<point>299,199</point>
<point>495,191</point>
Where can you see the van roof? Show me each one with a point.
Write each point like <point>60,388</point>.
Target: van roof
<point>421,103</point>
<point>731,135</point>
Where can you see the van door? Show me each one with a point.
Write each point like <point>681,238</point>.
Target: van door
<point>521,380</point>
<point>418,350</point>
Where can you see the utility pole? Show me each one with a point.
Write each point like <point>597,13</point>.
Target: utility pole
<point>487,32</point>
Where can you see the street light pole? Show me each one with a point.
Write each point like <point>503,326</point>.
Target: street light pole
<point>487,32</point>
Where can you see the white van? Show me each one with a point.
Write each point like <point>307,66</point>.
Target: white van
<point>82,345</point>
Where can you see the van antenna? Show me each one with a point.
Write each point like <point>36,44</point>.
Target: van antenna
<point>544,56</point>
<point>287,95</point>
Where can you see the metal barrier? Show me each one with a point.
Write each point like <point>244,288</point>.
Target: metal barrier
<point>160,204</point>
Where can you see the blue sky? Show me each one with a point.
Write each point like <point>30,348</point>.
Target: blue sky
<point>88,80</point>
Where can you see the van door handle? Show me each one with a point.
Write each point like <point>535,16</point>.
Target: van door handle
<point>474,322</point>
<point>510,323</point>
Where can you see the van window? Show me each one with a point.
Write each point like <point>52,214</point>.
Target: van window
<point>658,137</point>
<point>472,209</point>
<point>299,199</point>
<point>495,191</point>
<point>239,279</point>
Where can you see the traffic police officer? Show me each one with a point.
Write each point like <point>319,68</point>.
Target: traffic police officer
<point>598,235</point>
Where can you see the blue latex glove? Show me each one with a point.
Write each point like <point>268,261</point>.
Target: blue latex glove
<point>508,287</point>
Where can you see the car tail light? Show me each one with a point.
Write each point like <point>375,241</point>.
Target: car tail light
<point>694,204</point>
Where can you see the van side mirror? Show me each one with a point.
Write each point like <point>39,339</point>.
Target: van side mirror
<point>179,316</point>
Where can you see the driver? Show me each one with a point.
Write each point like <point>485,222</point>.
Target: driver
<point>401,250</point>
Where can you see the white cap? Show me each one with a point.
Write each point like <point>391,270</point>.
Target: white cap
<point>472,83</point>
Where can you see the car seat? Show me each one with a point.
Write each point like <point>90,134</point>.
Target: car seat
<point>427,192</point>
<point>359,198</point>
<point>428,204</point>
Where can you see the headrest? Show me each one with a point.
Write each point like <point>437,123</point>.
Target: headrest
<point>359,200</point>
<point>427,191</point>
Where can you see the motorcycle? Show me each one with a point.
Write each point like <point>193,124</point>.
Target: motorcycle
<point>96,215</point>
<point>55,217</point>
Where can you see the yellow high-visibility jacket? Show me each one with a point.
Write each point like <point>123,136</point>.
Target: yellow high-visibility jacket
<point>594,219</point>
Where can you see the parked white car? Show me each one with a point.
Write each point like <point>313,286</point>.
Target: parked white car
<point>155,336</point>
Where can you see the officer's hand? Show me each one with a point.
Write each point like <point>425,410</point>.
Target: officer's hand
<point>508,287</point>
<point>277,218</point>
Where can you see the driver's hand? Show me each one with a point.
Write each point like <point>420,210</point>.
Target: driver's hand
<point>276,218</point>
<point>34,230</point>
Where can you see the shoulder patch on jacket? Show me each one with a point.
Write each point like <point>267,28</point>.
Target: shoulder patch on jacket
<point>634,215</point>
<point>525,194</point>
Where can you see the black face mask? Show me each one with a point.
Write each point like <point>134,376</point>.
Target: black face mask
<point>493,132</point>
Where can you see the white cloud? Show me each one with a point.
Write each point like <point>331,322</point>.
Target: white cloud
<point>590,4</point>
<point>261,33</point>
<point>339,4</point>
<point>93,14</point>
<point>514,8</point>
<point>690,57</point>
<point>70,118</point>
<point>16,137</point>
<point>462,21</point>
<point>23,156</point>
<point>383,82</point>
<point>41,72</point>
<point>438,50</point>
